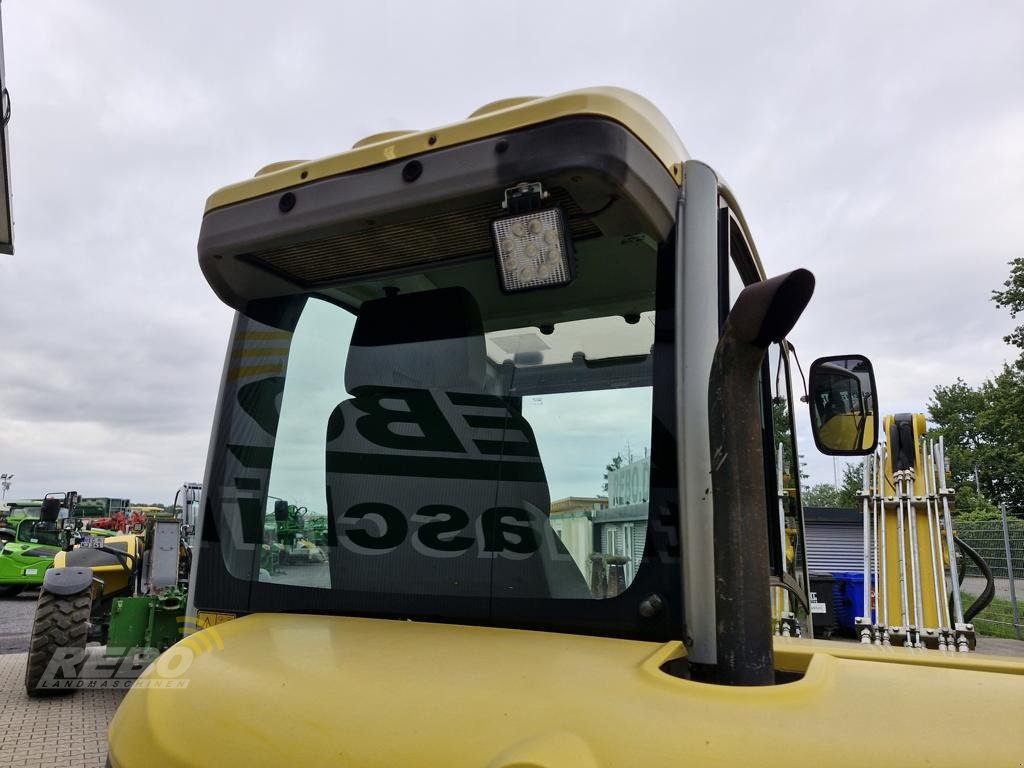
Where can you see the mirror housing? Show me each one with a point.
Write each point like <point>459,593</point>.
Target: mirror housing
<point>844,414</point>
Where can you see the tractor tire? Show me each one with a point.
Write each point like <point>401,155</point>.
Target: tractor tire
<point>61,622</point>
<point>11,590</point>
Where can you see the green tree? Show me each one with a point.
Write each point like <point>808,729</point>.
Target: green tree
<point>784,435</point>
<point>845,496</point>
<point>821,495</point>
<point>971,505</point>
<point>984,434</point>
<point>983,427</point>
<point>615,463</point>
<point>851,485</point>
<point>1012,298</point>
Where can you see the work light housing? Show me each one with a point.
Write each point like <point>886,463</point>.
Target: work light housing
<point>533,247</point>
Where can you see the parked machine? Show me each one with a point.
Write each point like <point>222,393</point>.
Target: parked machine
<point>298,535</point>
<point>12,512</point>
<point>93,509</point>
<point>433,331</point>
<point>186,504</point>
<point>910,581</point>
<point>25,558</point>
<point>125,591</point>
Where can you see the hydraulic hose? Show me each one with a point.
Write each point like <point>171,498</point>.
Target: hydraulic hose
<point>123,558</point>
<point>989,592</point>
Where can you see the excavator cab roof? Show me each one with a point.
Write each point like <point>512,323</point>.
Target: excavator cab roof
<point>496,118</point>
<point>401,202</point>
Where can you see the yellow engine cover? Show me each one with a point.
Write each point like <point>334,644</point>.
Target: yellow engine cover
<point>107,567</point>
<point>276,690</point>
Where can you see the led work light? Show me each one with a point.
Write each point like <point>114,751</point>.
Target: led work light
<point>532,247</point>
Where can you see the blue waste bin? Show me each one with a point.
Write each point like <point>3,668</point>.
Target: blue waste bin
<point>849,586</point>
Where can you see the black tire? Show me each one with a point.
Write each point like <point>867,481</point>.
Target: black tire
<point>11,590</point>
<point>62,622</point>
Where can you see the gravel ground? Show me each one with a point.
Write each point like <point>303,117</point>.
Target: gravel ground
<point>59,732</point>
<point>16,614</point>
<point>1000,646</point>
<point>974,586</point>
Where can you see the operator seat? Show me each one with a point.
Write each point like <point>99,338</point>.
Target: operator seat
<point>435,484</point>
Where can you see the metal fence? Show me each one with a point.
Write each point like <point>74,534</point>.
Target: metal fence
<point>1001,544</point>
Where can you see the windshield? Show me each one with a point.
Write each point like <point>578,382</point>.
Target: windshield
<point>38,532</point>
<point>427,444</point>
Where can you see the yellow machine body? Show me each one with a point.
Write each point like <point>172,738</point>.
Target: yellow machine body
<point>625,107</point>
<point>846,429</point>
<point>110,571</point>
<point>314,690</point>
<point>892,615</point>
<point>281,689</point>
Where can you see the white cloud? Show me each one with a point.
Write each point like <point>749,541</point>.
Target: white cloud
<point>876,144</point>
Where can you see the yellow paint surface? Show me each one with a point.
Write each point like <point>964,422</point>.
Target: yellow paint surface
<point>318,690</point>
<point>624,107</point>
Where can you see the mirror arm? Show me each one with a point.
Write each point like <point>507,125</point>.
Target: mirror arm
<point>796,358</point>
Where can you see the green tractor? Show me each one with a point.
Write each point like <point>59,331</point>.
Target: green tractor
<point>12,513</point>
<point>88,508</point>
<point>29,553</point>
<point>299,534</point>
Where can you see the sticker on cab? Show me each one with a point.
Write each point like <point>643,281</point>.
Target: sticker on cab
<point>206,619</point>
<point>817,607</point>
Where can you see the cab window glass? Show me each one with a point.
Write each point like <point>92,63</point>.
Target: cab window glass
<point>39,532</point>
<point>448,463</point>
<point>787,524</point>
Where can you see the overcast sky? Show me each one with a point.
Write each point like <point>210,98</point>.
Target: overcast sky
<point>881,145</point>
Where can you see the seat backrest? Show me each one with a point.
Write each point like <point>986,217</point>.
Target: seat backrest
<point>434,485</point>
<point>49,511</point>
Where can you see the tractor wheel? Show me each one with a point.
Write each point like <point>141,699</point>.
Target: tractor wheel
<point>61,624</point>
<point>11,590</point>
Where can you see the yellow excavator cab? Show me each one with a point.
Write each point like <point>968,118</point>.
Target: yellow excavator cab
<point>513,372</point>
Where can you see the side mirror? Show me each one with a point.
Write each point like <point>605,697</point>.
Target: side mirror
<point>844,415</point>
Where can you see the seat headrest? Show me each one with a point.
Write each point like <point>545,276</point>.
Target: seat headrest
<point>50,510</point>
<point>431,340</point>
